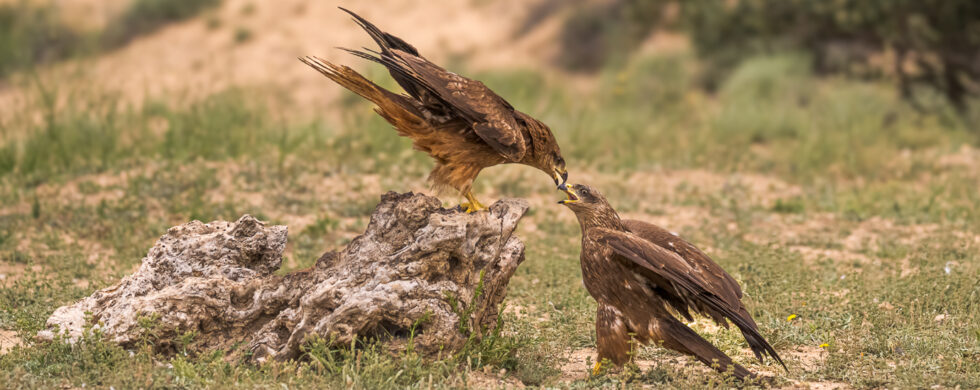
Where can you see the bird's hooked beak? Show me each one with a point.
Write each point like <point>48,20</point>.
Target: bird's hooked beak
<point>561,177</point>
<point>569,190</point>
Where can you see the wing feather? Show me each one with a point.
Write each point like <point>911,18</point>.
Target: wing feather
<point>492,117</point>
<point>684,281</point>
<point>489,115</point>
<point>720,281</point>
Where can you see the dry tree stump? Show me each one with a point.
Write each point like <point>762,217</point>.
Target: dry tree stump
<point>417,264</point>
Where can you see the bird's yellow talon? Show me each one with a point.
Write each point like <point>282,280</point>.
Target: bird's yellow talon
<point>596,368</point>
<point>473,205</point>
<point>468,207</point>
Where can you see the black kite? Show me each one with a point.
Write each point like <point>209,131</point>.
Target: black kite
<point>636,271</point>
<point>459,122</point>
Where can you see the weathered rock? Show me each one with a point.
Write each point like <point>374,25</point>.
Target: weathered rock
<point>415,261</point>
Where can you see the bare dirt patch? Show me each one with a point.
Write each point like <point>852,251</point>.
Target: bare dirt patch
<point>753,188</point>
<point>579,362</point>
<point>489,379</point>
<point>814,254</point>
<point>966,157</point>
<point>577,365</point>
<point>808,359</point>
<point>11,272</point>
<point>8,340</point>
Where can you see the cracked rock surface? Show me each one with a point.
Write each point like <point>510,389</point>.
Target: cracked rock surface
<point>415,260</point>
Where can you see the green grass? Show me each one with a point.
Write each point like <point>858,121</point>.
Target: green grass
<point>100,136</point>
<point>88,189</point>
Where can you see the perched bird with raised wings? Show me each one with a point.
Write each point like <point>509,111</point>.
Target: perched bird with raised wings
<point>459,122</point>
<point>636,271</point>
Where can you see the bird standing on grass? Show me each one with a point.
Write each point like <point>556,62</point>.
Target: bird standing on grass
<point>459,122</point>
<point>636,271</point>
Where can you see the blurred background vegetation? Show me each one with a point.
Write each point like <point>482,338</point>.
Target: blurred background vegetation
<point>824,152</point>
<point>796,77</point>
<point>933,44</point>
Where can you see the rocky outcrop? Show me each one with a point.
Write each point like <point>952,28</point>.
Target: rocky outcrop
<point>418,267</point>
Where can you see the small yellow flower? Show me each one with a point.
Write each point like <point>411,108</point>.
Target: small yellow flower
<point>791,317</point>
<point>824,345</point>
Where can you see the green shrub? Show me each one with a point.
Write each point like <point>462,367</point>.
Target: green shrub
<point>931,43</point>
<point>31,34</point>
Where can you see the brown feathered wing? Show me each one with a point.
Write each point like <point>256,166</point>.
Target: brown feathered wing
<point>688,287</point>
<point>445,93</point>
<point>719,281</point>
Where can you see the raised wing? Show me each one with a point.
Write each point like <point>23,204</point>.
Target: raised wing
<point>384,40</point>
<point>489,115</point>
<point>444,92</point>
<point>673,275</point>
<point>387,42</point>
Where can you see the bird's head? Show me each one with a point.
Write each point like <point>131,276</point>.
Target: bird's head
<point>589,206</point>
<point>545,154</point>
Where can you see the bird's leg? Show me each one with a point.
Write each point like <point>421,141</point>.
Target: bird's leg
<point>472,205</point>
<point>612,338</point>
<point>476,203</point>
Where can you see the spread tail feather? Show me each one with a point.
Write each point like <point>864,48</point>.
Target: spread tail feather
<point>393,107</point>
<point>384,40</point>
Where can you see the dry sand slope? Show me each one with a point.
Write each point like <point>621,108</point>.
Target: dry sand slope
<point>200,56</point>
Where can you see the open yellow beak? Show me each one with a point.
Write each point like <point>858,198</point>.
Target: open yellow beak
<point>569,190</point>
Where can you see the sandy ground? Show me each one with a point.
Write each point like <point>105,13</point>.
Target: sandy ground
<point>578,366</point>
<point>8,340</point>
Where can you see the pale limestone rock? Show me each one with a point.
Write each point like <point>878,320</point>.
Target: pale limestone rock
<point>218,280</point>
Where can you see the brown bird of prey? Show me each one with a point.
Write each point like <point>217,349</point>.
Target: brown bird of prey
<point>637,271</point>
<point>459,122</point>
